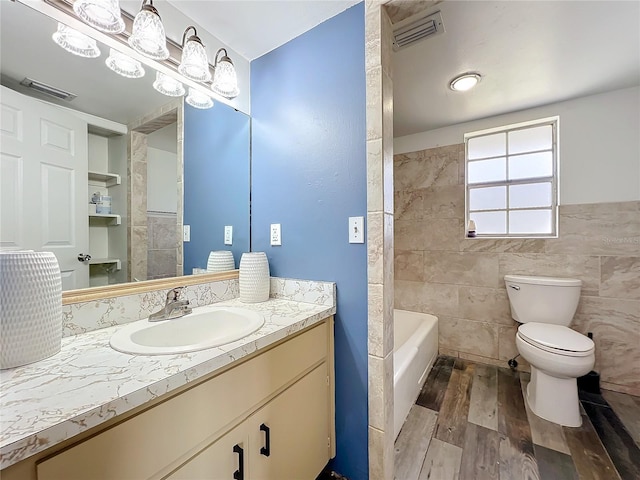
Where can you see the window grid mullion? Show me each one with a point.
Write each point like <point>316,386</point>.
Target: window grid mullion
<point>519,181</point>
<point>506,139</point>
<point>520,154</point>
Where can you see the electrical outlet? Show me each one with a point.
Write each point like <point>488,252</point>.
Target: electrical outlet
<point>276,237</point>
<point>186,233</point>
<point>356,229</point>
<point>228,234</point>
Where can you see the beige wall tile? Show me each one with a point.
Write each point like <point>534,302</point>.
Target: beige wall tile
<point>619,363</point>
<point>434,234</point>
<point>502,245</point>
<point>374,103</point>
<point>507,348</point>
<point>486,360</point>
<point>586,268</point>
<point>448,351</point>
<point>409,205</point>
<point>436,299</point>
<point>380,335</point>
<point>381,455</point>
<point>398,10</point>
<point>610,319</point>
<point>374,175</point>
<point>462,268</point>
<point>409,265</point>
<point>375,247</point>
<point>466,336</point>
<point>443,202</point>
<point>426,169</point>
<point>489,305</point>
<point>381,393</point>
<point>620,277</point>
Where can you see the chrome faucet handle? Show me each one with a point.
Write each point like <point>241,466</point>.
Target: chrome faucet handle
<point>173,295</point>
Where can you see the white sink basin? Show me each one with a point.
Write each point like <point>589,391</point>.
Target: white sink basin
<point>205,327</point>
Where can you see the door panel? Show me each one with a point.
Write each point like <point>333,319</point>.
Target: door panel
<point>11,213</point>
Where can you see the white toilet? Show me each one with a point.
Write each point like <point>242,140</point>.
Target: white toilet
<point>558,355</point>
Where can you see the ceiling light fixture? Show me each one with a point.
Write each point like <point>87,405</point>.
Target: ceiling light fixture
<point>194,64</point>
<point>101,14</point>
<point>225,81</point>
<point>465,82</point>
<point>148,37</point>
<point>198,99</point>
<point>75,42</point>
<point>167,85</point>
<point>124,65</point>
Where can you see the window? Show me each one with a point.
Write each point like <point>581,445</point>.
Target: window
<point>511,179</point>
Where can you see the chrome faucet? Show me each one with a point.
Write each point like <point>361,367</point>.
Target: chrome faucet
<point>173,308</point>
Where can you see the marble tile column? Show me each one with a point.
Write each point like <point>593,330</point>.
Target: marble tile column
<point>378,38</point>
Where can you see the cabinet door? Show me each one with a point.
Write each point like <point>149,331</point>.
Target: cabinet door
<point>219,461</point>
<point>296,423</point>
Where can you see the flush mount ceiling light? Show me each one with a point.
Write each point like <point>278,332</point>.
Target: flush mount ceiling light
<point>167,85</point>
<point>194,64</point>
<point>225,81</point>
<point>124,65</point>
<point>198,99</point>
<point>101,14</point>
<point>75,42</point>
<point>148,37</point>
<point>465,82</point>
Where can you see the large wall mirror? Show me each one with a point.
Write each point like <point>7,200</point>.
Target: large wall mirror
<point>149,162</point>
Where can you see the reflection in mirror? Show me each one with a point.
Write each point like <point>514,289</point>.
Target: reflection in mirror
<point>83,146</point>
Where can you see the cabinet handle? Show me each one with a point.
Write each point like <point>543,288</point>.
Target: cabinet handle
<point>266,450</point>
<point>239,474</point>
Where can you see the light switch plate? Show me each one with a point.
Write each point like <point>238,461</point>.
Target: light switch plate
<point>356,229</point>
<point>228,234</point>
<point>186,233</point>
<point>276,237</point>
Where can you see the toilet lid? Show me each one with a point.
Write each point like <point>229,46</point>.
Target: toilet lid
<point>556,338</point>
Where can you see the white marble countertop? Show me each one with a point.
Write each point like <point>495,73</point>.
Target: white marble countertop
<point>88,382</point>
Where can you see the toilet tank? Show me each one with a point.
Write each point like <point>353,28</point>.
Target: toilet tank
<point>543,299</point>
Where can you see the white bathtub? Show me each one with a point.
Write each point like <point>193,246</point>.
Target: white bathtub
<point>414,351</point>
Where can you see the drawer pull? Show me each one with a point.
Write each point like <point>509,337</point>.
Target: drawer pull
<point>266,450</point>
<point>239,474</point>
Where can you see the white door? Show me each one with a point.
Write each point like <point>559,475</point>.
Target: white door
<point>43,183</point>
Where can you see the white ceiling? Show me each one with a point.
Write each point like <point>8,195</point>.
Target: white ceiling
<point>530,53</point>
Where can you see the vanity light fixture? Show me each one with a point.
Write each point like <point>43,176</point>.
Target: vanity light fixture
<point>103,15</point>
<point>75,42</point>
<point>465,82</point>
<point>124,65</point>
<point>198,99</point>
<point>148,37</point>
<point>167,85</point>
<point>225,81</point>
<point>194,64</point>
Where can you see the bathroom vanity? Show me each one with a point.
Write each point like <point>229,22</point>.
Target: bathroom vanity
<point>258,408</point>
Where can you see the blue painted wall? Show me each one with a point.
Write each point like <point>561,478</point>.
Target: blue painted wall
<point>216,182</point>
<point>309,174</point>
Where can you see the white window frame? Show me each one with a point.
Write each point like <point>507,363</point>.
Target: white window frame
<point>555,193</point>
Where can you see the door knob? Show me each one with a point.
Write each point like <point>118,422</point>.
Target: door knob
<point>82,257</point>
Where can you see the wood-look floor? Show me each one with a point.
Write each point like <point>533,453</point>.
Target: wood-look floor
<point>471,422</point>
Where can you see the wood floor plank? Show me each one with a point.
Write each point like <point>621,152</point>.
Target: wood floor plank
<point>484,397</point>
<point>627,407</point>
<point>615,438</point>
<point>434,387</point>
<point>413,442</point>
<point>554,465</point>
<point>480,454</point>
<point>589,455</point>
<point>452,420</point>
<point>517,460</point>
<point>442,461</point>
<point>544,432</point>
<point>512,414</point>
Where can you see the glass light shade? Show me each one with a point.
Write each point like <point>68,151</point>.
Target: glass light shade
<point>124,65</point>
<point>101,14</point>
<point>465,82</point>
<point>198,99</point>
<point>225,81</point>
<point>194,64</point>
<point>148,37</point>
<point>75,42</point>
<point>167,85</point>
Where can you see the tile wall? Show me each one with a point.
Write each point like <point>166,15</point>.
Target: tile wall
<point>162,245</point>
<point>439,271</point>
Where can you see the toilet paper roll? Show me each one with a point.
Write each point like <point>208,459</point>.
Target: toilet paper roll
<point>30,307</point>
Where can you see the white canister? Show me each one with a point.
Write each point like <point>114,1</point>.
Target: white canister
<point>254,277</point>
<point>221,261</point>
<point>103,205</point>
<point>30,307</point>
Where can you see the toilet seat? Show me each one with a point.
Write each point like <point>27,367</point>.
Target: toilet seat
<point>556,339</point>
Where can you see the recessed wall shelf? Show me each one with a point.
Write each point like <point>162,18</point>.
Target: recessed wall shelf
<point>109,179</point>
<point>106,261</point>
<point>111,218</point>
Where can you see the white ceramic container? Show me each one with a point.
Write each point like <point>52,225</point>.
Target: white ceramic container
<point>221,261</point>
<point>254,277</point>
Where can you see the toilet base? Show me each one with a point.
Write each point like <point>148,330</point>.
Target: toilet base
<point>554,399</point>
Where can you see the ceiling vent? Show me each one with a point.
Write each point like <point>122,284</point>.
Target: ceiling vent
<point>417,27</point>
<point>47,89</point>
